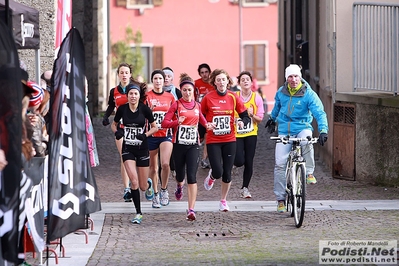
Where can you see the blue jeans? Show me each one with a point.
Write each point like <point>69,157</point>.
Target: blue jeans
<point>281,155</point>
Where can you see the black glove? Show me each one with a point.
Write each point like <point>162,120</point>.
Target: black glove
<point>119,133</point>
<point>105,121</point>
<point>270,125</point>
<point>141,136</point>
<point>323,138</point>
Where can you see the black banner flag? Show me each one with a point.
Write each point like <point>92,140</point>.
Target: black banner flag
<point>72,189</point>
<point>10,143</point>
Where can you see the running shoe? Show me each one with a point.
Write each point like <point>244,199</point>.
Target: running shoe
<point>155,201</point>
<point>173,174</point>
<point>223,206</point>
<point>245,193</point>
<point>137,219</point>
<point>310,179</point>
<point>127,195</point>
<point>164,197</point>
<point>281,206</point>
<point>149,193</point>
<point>208,182</point>
<point>191,215</point>
<point>179,192</point>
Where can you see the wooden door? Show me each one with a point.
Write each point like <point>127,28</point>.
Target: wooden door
<point>344,141</point>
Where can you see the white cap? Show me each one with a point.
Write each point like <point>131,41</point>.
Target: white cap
<point>293,70</point>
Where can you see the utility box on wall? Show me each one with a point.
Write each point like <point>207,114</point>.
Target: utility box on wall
<point>344,141</point>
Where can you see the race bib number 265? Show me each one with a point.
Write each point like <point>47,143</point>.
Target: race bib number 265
<point>187,135</point>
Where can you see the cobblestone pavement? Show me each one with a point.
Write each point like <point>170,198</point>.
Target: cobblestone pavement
<point>231,238</point>
<point>261,187</point>
<point>234,238</point>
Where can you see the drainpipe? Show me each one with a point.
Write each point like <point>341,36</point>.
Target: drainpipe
<point>7,14</point>
<point>109,60</point>
<point>240,33</point>
<point>333,49</point>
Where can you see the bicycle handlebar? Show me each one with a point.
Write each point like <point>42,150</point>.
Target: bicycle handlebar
<point>288,139</point>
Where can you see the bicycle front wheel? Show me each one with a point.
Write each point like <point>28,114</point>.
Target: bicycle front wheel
<point>289,199</point>
<point>289,195</point>
<point>299,196</point>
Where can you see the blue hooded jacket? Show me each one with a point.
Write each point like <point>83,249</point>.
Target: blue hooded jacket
<point>295,113</point>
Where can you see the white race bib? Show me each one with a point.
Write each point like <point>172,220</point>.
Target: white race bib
<point>246,128</point>
<point>222,124</point>
<point>187,135</point>
<point>130,136</point>
<point>159,116</point>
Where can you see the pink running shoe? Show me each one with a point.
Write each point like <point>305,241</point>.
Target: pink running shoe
<point>223,206</point>
<point>208,182</point>
<point>179,192</point>
<point>191,215</point>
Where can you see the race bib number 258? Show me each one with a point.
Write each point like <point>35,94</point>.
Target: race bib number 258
<point>222,124</point>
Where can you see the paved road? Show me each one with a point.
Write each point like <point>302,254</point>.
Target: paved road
<point>252,234</point>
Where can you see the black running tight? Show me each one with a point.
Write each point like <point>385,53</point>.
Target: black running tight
<point>221,156</point>
<point>245,157</point>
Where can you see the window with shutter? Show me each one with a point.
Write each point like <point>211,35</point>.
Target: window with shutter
<point>157,57</point>
<point>255,59</point>
<point>153,59</point>
<point>121,2</point>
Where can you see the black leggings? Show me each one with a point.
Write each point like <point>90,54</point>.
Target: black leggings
<point>186,159</point>
<point>245,156</point>
<point>221,157</point>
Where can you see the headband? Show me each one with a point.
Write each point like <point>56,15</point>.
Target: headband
<point>157,71</point>
<point>168,72</point>
<point>132,86</point>
<point>186,82</point>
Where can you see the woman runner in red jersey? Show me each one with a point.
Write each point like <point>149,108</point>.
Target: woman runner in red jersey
<point>218,107</point>
<point>161,142</point>
<point>184,116</point>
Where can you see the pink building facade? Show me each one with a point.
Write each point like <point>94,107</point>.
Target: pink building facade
<point>182,34</point>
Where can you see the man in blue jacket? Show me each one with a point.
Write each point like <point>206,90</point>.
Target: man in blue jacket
<point>296,104</point>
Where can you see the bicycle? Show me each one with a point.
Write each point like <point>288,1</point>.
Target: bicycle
<point>295,174</point>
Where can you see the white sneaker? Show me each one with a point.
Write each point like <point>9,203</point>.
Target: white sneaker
<point>155,201</point>
<point>223,206</point>
<point>208,182</point>
<point>245,193</point>
<point>164,197</point>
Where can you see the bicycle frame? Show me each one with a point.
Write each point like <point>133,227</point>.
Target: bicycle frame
<point>295,176</point>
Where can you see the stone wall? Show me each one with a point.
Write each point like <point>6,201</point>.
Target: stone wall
<point>47,18</point>
<point>377,142</point>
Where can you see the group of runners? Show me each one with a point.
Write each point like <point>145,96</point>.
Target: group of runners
<point>155,129</point>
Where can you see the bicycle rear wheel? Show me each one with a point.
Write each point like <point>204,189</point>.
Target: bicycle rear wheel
<point>299,196</point>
